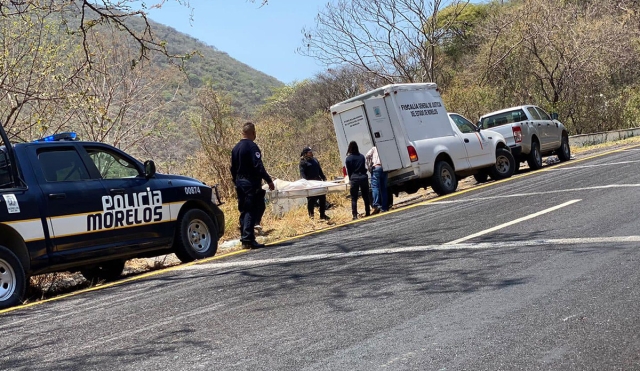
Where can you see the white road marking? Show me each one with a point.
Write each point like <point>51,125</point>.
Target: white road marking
<point>610,186</point>
<point>607,241</point>
<point>516,221</point>
<point>594,165</point>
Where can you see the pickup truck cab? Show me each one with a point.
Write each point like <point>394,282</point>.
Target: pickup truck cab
<point>67,205</point>
<point>533,129</point>
<point>418,143</point>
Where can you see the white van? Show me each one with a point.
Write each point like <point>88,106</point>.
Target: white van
<point>418,143</point>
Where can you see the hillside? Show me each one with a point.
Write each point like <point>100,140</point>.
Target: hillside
<point>247,86</point>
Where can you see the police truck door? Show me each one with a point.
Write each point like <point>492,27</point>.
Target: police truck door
<point>71,196</point>
<point>136,208</point>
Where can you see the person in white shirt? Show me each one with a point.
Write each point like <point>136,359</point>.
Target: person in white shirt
<point>378,181</point>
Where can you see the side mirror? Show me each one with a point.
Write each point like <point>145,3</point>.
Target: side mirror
<point>479,125</point>
<point>149,169</point>
<point>554,115</point>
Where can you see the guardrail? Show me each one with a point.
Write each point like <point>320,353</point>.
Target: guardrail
<point>582,140</point>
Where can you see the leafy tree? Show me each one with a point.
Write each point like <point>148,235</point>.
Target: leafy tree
<point>216,126</point>
<point>557,54</point>
<point>122,103</point>
<point>394,40</point>
<point>37,74</point>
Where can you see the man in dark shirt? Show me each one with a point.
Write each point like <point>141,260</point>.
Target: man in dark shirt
<point>248,172</point>
<point>310,170</point>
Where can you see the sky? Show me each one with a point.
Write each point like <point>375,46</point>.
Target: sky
<point>265,38</point>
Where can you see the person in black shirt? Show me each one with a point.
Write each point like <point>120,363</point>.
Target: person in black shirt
<point>247,172</point>
<point>310,170</point>
<point>358,179</point>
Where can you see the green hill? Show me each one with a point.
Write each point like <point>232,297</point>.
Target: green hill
<point>247,86</point>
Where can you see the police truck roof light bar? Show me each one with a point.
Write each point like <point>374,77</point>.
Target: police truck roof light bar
<point>59,137</point>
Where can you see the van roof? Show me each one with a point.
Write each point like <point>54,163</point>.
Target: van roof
<point>389,88</point>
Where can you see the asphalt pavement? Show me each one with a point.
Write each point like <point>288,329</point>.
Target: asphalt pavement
<point>537,272</point>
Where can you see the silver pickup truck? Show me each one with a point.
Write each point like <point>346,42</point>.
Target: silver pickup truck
<point>533,129</point>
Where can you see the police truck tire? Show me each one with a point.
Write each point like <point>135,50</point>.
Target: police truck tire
<point>505,165</point>
<point>535,157</point>
<point>107,271</point>
<point>197,236</point>
<point>444,179</point>
<point>13,280</point>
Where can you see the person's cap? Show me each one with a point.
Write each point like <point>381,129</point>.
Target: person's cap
<point>305,150</point>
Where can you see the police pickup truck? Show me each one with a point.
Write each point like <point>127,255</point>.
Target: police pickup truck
<point>68,205</point>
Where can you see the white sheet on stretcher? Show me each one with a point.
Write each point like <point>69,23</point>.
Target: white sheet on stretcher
<point>303,188</point>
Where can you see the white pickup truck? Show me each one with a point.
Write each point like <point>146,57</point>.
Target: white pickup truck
<point>533,129</point>
<point>418,142</point>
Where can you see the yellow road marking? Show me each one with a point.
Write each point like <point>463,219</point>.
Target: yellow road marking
<point>126,280</point>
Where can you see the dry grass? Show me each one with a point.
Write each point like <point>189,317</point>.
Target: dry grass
<point>606,146</point>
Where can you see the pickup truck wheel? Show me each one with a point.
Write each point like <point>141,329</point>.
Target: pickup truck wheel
<point>444,179</point>
<point>505,165</point>
<point>197,236</point>
<point>564,153</point>
<point>107,271</point>
<point>535,158</point>
<point>482,176</point>
<point>13,281</point>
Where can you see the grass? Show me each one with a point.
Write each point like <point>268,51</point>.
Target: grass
<point>607,145</point>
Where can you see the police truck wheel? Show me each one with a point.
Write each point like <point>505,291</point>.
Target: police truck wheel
<point>535,157</point>
<point>13,281</point>
<point>107,271</point>
<point>504,167</point>
<point>444,179</point>
<point>197,236</point>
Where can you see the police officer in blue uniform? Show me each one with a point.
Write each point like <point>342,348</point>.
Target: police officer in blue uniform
<point>248,172</point>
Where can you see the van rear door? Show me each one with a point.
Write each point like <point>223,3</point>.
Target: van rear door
<point>353,125</point>
<point>383,135</point>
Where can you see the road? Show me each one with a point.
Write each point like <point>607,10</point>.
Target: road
<point>538,272</point>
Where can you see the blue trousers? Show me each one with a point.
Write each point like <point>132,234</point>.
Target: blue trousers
<point>379,188</point>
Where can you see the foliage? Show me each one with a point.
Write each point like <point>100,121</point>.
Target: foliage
<point>214,123</point>
<point>395,40</point>
<point>36,75</point>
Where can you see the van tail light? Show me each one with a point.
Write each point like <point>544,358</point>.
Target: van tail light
<point>517,134</point>
<point>413,155</point>
<point>344,171</point>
